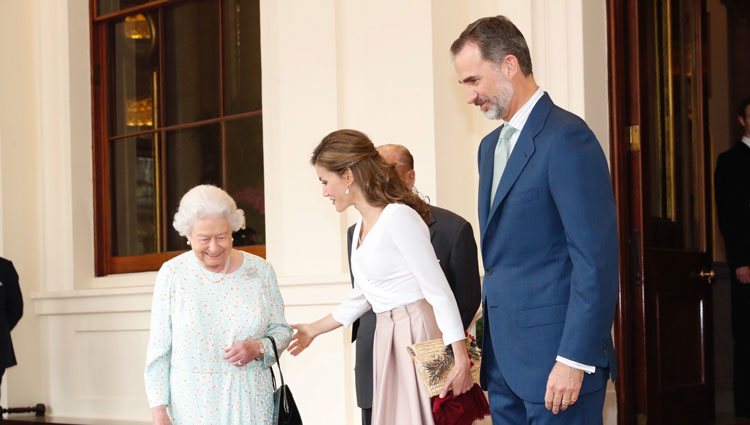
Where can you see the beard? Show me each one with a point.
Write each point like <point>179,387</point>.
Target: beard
<point>500,103</point>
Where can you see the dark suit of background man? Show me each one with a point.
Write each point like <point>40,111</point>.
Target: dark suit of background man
<point>548,240</point>
<point>11,310</point>
<point>732,181</point>
<point>455,247</point>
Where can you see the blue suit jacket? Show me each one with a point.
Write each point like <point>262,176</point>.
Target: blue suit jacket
<point>549,246</point>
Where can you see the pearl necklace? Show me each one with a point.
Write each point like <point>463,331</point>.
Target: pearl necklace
<point>221,274</point>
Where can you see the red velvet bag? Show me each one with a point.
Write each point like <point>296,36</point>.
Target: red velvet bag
<point>462,410</point>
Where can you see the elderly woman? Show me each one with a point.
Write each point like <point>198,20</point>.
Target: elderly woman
<point>213,310</point>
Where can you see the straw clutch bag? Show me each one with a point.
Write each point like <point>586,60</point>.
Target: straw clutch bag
<point>434,361</point>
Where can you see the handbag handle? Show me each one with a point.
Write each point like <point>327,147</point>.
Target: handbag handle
<point>278,364</point>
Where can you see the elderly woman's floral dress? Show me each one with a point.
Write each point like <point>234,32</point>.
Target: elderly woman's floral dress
<point>195,315</point>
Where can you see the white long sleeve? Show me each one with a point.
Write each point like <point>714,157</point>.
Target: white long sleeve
<point>350,310</point>
<point>395,266</point>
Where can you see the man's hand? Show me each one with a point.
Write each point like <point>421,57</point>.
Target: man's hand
<point>743,274</point>
<point>563,386</point>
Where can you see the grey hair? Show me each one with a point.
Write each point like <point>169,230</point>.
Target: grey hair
<point>206,201</point>
<point>496,37</point>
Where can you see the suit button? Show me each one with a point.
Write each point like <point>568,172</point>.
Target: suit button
<point>488,271</point>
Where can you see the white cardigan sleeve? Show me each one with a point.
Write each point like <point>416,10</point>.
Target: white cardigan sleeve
<point>412,238</point>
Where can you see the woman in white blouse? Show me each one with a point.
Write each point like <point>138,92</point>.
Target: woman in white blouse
<point>396,274</point>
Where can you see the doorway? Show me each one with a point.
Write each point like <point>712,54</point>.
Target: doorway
<point>666,112</point>
<point>661,172</point>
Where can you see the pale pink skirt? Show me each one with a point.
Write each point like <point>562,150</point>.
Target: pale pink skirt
<point>398,396</point>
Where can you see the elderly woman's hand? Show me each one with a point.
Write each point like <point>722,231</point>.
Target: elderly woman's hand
<point>243,352</point>
<point>159,416</point>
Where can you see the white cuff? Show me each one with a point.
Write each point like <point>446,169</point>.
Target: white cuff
<point>339,315</point>
<point>584,367</point>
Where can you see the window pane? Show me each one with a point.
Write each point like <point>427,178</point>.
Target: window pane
<point>241,56</point>
<point>191,62</point>
<point>109,6</point>
<point>245,177</point>
<point>193,157</point>
<point>134,224</point>
<point>135,59</point>
<point>158,75</point>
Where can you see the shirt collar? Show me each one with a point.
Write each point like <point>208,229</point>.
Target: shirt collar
<point>522,115</point>
<point>746,140</point>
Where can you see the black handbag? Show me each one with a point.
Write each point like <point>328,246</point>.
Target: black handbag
<point>285,410</point>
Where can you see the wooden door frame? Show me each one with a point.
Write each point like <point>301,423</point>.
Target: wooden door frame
<point>624,110</point>
<point>625,164</point>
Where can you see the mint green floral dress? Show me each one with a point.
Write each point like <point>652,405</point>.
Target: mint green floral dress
<point>193,319</point>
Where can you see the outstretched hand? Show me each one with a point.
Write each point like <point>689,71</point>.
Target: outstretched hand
<point>301,339</point>
<point>306,333</point>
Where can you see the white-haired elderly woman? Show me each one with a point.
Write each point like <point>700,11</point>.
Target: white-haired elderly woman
<point>213,309</point>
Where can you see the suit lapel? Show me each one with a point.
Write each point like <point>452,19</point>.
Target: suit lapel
<point>521,152</point>
<point>431,225</point>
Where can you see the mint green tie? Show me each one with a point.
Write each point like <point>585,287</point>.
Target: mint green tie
<point>502,152</point>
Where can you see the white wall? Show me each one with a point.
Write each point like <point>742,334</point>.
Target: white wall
<point>380,67</point>
<point>20,227</point>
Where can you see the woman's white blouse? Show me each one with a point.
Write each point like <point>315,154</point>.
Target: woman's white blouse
<point>395,266</point>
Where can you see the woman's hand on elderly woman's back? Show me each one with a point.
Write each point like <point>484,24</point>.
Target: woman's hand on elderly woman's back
<point>243,352</point>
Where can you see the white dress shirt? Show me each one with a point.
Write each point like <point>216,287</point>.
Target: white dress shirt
<point>396,265</point>
<point>518,121</point>
<point>746,140</point>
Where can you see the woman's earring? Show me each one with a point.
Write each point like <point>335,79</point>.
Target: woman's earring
<point>188,242</point>
<point>347,189</point>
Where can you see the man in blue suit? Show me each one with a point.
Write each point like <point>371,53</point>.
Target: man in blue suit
<point>548,240</point>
